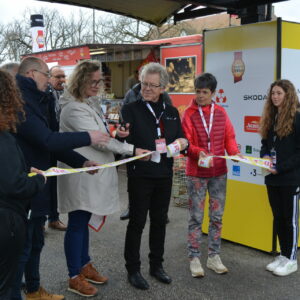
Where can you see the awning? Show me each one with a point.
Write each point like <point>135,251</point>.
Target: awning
<point>159,11</point>
<point>101,52</point>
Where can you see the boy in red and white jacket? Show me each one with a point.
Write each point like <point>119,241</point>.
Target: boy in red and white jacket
<point>209,131</point>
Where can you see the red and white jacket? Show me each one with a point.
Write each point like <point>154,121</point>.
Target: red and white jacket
<point>222,137</point>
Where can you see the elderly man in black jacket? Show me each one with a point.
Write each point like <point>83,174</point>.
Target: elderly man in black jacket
<point>40,142</point>
<point>153,125</point>
<point>133,95</point>
<point>55,90</point>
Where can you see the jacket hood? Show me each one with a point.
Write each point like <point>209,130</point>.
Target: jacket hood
<point>28,84</point>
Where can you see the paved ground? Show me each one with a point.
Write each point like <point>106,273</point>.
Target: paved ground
<point>247,278</point>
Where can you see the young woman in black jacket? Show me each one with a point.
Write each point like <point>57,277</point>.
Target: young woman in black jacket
<point>280,131</point>
<point>16,188</point>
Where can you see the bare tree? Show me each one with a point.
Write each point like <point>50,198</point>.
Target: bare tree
<point>62,32</point>
<point>120,29</point>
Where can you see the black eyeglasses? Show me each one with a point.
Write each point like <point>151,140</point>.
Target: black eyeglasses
<point>47,74</point>
<point>150,85</point>
<point>95,83</point>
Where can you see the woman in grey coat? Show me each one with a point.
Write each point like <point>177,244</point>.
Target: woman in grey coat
<point>81,195</point>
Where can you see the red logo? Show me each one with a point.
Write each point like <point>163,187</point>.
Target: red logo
<point>220,96</point>
<point>251,123</point>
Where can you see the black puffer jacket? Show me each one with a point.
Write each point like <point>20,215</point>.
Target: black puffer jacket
<point>287,157</point>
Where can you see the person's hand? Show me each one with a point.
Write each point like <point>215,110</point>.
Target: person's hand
<point>203,155</point>
<point>273,171</point>
<point>183,143</point>
<point>140,151</point>
<point>37,171</point>
<point>267,157</point>
<point>123,130</point>
<point>239,155</point>
<point>90,163</point>
<point>99,138</point>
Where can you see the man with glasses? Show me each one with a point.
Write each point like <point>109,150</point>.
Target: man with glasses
<point>133,95</point>
<point>42,145</point>
<point>153,125</point>
<point>55,89</point>
<point>57,84</point>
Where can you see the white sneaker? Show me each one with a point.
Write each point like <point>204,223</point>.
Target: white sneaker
<point>214,263</point>
<point>274,264</point>
<point>196,268</point>
<point>286,267</point>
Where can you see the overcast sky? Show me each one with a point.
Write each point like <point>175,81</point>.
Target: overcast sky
<point>13,9</point>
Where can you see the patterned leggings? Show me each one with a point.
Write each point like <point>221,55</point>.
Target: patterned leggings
<point>197,188</point>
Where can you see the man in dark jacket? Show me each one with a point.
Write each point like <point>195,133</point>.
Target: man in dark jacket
<point>40,143</point>
<point>153,125</point>
<point>133,95</point>
<point>55,90</point>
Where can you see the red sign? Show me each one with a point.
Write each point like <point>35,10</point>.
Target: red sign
<point>251,123</point>
<point>220,96</point>
<point>64,57</point>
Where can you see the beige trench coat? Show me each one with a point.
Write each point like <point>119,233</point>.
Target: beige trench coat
<point>97,193</point>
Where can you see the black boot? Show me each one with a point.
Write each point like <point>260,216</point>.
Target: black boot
<point>138,281</point>
<point>160,274</point>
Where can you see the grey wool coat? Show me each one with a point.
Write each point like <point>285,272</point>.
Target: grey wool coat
<point>97,193</point>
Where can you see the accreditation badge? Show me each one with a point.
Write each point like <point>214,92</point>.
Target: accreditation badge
<point>161,145</point>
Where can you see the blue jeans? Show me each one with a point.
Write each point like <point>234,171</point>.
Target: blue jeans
<point>29,261</point>
<point>77,241</point>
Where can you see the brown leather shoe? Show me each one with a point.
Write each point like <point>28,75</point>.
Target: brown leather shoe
<point>80,286</point>
<point>57,225</point>
<point>92,275</point>
<point>42,294</point>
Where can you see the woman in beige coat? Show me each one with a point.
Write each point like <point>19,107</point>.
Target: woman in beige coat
<point>81,195</point>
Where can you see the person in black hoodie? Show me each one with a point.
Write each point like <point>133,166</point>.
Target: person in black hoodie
<point>153,124</point>
<point>280,131</point>
<point>16,188</point>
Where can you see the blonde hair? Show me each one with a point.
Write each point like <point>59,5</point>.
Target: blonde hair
<point>285,119</point>
<point>81,76</point>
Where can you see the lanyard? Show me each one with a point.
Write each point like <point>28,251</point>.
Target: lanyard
<point>211,119</point>
<point>156,119</point>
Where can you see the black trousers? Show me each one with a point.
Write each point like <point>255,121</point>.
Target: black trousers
<point>12,240</point>
<point>284,201</point>
<point>153,195</point>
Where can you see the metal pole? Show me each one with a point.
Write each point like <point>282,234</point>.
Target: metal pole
<point>94,34</point>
